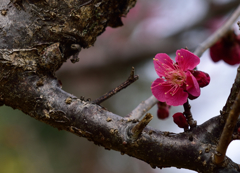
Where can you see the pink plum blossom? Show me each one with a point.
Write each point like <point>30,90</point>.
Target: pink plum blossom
<point>175,80</point>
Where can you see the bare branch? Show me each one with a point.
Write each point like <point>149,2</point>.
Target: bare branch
<point>142,108</point>
<point>132,78</point>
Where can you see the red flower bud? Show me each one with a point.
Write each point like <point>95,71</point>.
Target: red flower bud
<point>180,120</point>
<point>163,110</point>
<point>227,49</point>
<point>203,78</point>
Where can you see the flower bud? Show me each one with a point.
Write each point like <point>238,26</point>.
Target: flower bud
<point>203,78</point>
<point>163,110</point>
<point>227,49</point>
<point>180,120</point>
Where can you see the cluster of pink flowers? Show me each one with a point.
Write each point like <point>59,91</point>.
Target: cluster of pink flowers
<point>227,49</point>
<point>178,81</point>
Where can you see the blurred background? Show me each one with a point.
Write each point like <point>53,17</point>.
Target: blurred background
<point>151,27</point>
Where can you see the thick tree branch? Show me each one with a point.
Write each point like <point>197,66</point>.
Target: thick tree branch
<point>40,23</point>
<point>42,98</point>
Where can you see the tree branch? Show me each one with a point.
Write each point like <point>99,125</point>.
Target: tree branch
<point>50,104</point>
<point>232,96</point>
<point>226,136</point>
<point>142,108</point>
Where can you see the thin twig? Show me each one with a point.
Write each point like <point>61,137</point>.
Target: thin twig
<point>132,78</point>
<point>226,136</point>
<point>218,34</point>
<point>137,130</point>
<point>142,108</point>
<point>187,112</point>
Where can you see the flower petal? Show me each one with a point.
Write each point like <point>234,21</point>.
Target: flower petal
<point>179,98</point>
<point>192,85</point>
<point>159,90</point>
<point>186,60</point>
<point>162,62</point>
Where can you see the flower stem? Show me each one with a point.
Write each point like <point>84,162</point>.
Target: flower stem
<point>187,112</point>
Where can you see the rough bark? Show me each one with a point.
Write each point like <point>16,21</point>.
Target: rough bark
<point>37,36</point>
